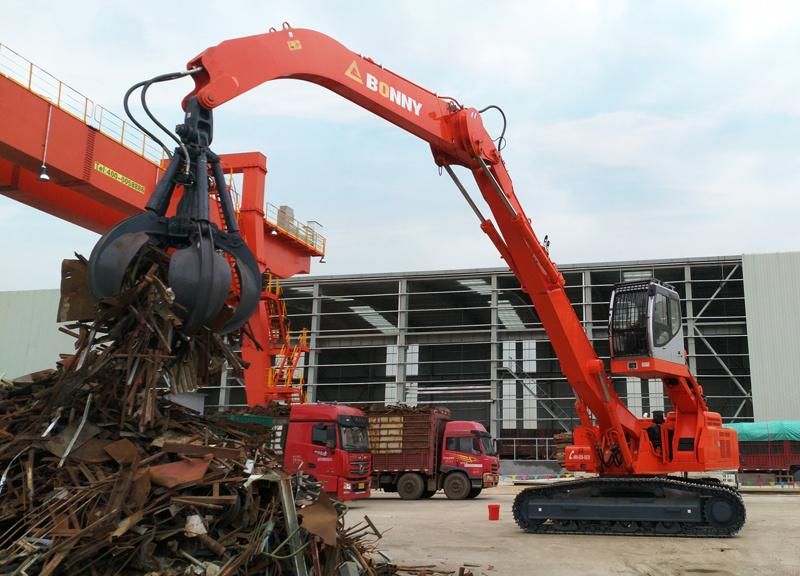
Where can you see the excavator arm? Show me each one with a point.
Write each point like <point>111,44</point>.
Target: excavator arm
<point>233,67</point>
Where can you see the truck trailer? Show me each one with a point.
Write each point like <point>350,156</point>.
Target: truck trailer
<point>418,451</point>
<point>772,447</point>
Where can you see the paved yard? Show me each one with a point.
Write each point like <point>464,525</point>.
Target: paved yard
<point>449,534</point>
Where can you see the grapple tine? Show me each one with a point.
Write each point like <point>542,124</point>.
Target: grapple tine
<point>249,279</point>
<point>201,280</point>
<point>114,252</point>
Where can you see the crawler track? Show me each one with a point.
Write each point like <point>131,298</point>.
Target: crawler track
<point>721,510</point>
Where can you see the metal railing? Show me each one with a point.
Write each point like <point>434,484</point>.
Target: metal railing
<point>40,82</point>
<point>283,218</point>
<point>22,71</point>
<point>526,448</point>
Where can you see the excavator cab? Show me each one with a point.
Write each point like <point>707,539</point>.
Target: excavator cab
<point>645,330</point>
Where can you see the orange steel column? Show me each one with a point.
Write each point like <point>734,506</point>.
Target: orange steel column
<point>253,167</point>
<point>277,253</point>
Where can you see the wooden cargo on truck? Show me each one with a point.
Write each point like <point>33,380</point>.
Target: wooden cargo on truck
<point>406,438</point>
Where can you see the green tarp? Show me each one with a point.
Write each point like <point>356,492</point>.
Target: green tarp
<point>767,431</point>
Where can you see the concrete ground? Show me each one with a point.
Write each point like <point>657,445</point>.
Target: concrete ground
<point>450,534</point>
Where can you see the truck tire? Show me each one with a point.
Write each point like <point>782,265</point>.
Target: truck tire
<point>456,486</point>
<point>410,486</point>
<point>474,492</point>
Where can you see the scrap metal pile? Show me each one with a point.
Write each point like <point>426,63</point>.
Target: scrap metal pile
<point>102,474</point>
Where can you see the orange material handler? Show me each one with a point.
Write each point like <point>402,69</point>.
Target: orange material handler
<point>632,457</point>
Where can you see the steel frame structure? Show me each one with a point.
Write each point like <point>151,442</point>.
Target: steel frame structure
<point>337,312</point>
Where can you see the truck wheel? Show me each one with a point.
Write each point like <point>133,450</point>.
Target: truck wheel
<point>456,486</point>
<point>410,486</point>
<point>474,492</point>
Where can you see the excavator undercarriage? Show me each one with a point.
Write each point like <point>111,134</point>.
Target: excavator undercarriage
<point>632,505</point>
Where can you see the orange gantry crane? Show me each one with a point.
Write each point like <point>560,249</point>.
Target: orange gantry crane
<point>67,156</point>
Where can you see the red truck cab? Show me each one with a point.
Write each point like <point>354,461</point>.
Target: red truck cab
<point>468,448</point>
<point>329,442</point>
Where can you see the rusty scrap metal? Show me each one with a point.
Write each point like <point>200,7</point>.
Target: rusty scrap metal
<point>103,475</point>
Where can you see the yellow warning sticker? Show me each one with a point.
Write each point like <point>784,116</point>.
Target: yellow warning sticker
<point>353,73</point>
<point>294,45</point>
<point>124,180</point>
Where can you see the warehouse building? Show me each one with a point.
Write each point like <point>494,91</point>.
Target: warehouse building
<point>470,340</point>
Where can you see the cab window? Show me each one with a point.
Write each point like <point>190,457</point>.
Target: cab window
<point>466,444</point>
<point>488,445</point>
<point>324,435</point>
<point>661,323</point>
<point>675,315</point>
<point>354,439</point>
<point>628,323</point>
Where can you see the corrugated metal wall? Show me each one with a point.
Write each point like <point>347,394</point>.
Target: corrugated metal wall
<point>771,289</point>
<point>29,336</point>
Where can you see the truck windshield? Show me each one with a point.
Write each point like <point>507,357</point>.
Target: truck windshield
<point>354,439</point>
<point>488,445</point>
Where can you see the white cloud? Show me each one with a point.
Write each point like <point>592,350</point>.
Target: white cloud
<point>628,121</point>
<point>34,244</point>
<point>407,244</point>
<point>625,138</point>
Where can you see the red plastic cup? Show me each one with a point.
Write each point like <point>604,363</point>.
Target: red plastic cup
<point>494,512</point>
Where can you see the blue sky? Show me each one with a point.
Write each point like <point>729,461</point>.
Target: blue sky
<point>637,130</point>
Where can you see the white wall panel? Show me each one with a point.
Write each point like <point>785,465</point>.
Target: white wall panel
<point>29,336</point>
<point>772,290</point>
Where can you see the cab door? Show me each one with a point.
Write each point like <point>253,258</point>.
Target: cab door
<point>322,457</point>
<point>462,452</point>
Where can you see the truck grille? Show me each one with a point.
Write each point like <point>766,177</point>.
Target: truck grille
<point>359,468</point>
